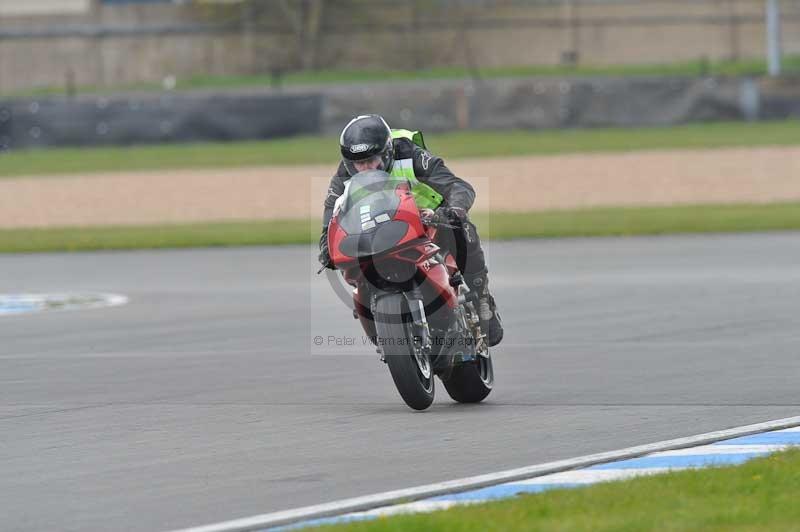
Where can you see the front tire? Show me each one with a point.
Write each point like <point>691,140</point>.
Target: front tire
<point>411,370</point>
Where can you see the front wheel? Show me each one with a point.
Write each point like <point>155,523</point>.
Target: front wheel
<point>410,368</point>
<point>471,382</point>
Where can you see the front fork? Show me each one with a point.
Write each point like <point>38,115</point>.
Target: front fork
<point>417,309</point>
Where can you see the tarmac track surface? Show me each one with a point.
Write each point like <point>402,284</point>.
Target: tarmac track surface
<point>201,399</point>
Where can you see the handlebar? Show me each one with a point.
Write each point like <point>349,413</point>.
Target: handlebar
<point>432,218</point>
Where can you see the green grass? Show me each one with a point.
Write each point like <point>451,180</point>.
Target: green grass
<point>744,67</point>
<point>630,221</point>
<point>499,226</point>
<point>761,494</point>
<point>324,150</point>
<point>155,236</point>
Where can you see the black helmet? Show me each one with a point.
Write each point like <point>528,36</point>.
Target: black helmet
<point>367,138</point>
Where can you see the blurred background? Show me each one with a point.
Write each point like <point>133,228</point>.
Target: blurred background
<point>106,65</point>
<point>197,110</point>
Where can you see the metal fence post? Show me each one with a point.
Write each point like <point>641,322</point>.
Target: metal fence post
<point>773,16</point>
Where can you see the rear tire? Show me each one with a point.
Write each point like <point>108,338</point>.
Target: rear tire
<point>411,371</point>
<point>471,382</point>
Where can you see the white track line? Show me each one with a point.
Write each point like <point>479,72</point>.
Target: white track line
<point>725,449</point>
<point>590,476</point>
<point>368,502</point>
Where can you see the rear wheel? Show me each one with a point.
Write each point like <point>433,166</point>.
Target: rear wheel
<point>471,382</point>
<point>411,369</point>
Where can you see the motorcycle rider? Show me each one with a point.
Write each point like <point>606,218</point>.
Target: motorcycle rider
<point>367,143</point>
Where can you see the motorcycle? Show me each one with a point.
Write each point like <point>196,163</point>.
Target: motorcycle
<point>407,290</point>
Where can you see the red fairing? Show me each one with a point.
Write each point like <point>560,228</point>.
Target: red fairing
<point>335,236</point>
<point>416,247</point>
<point>422,253</point>
<point>439,280</point>
<point>409,213</point>
<point>406,212</point>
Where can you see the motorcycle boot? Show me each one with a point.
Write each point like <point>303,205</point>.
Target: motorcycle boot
<point>491,323</point>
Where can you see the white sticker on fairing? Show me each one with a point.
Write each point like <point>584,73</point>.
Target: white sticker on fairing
<point>29,303</point>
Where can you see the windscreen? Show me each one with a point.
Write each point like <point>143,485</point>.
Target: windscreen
<point>367,214</point>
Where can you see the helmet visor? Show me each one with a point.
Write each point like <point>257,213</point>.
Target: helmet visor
<point>376,162</point>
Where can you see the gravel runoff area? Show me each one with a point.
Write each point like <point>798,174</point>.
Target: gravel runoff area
<point>661,177</point>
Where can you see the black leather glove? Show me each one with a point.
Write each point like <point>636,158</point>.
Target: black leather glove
<point>454,215</point>
<point>325,257</point>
